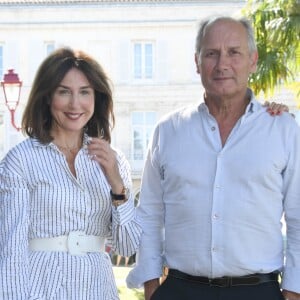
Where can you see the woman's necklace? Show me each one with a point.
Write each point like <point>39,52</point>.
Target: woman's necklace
<point>68,149</point>
<point>70,154</point>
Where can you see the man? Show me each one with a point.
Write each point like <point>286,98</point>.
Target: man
<point>217,180</point>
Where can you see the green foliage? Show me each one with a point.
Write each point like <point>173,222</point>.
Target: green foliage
<point>277,31</point>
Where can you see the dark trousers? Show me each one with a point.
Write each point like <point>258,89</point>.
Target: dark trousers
<point>179,289</point>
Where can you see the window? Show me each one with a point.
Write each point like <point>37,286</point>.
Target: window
<point>1,62</point>
<point>137,199</point>
<point>2,135</point>
<point>143,61</point>
<point>142,124</point>
<point>49,47</point>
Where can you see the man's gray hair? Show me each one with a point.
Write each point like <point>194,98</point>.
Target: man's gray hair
<point>245,22</point>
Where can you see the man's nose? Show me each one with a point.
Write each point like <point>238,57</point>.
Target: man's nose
<point>223,61</point>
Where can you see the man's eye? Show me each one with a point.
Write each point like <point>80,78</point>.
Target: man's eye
<point>211,54</point>
<point>234,52</point>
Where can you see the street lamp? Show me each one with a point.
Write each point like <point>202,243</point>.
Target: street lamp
<point>12,90</point>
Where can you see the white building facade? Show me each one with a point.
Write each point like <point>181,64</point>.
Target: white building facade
<point>146,48</point>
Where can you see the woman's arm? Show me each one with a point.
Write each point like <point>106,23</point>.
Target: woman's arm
<point>14,196</point>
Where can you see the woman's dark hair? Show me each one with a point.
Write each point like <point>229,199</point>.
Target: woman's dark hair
<point>37,119</point>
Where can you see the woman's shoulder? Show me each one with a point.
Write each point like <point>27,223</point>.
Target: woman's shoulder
<point>23,149</point>
<point>120,154</point>
<point>25,145</point>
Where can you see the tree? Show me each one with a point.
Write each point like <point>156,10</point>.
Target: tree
<point>277,32</point>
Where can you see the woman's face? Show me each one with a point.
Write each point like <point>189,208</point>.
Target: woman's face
<point>73,102</point>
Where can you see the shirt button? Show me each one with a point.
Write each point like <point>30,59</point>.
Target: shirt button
<point>213,128</point>
<point>215,216</point>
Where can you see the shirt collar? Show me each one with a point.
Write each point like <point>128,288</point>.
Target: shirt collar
<point>37,143</point>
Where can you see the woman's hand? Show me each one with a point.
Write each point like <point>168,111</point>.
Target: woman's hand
<point>276,108</point>
<point>100,151</point>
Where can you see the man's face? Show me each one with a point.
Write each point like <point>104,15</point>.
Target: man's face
<point>225,62</point>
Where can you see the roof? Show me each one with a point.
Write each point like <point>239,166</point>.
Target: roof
<point>78,2</point>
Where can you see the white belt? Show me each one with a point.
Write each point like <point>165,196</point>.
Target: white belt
<point>76,243</point>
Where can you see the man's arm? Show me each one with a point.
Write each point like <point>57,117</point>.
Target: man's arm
<point>150,287</point>
<point>150,214</point>
<point>291,190</point>
<point>290,295</point>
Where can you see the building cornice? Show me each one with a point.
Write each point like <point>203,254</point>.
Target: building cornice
<point>93,2</point>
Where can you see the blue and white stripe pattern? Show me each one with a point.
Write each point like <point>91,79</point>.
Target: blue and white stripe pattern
<point>39,197</point>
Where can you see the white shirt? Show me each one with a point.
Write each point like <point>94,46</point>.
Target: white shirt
<point>39,197</point>
<point>215,211</point>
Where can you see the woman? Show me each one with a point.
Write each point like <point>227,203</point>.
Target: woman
<point>64,190</point>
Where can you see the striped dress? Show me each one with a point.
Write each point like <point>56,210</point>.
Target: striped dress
<point>39,198</point>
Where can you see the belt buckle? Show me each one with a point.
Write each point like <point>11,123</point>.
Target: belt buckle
<point>74,243</point>
<point>220,282</point>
